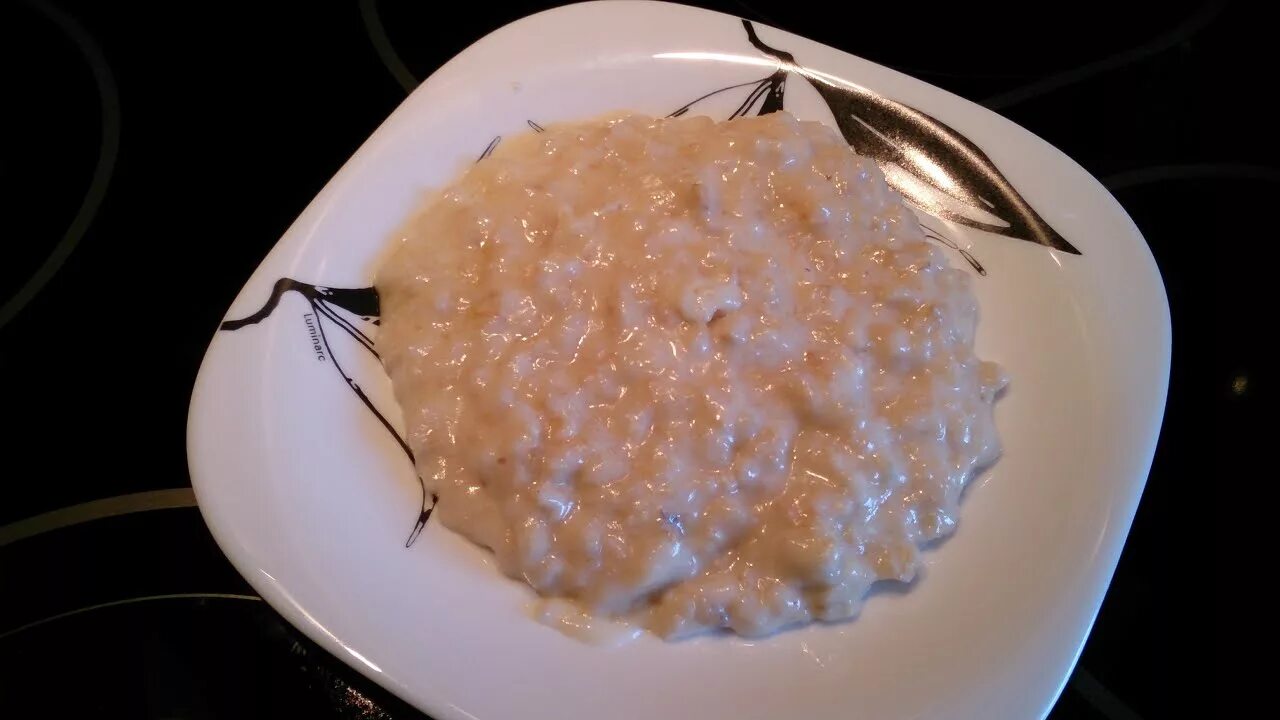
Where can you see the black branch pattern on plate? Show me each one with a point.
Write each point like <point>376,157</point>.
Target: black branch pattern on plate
<point>772,88</point>
<point>930,151</point>
<point>332,305</point>
<point>493,144</point>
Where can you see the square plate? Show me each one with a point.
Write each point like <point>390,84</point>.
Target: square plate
<point>305,485</point>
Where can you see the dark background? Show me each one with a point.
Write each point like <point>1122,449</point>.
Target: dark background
<point>154,153</point>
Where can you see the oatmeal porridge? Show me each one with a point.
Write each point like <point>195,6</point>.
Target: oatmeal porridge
<point>695,374</point>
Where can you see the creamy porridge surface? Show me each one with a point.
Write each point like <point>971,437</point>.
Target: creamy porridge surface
<point>698,374</point>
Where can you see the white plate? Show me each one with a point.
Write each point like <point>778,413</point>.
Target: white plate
<point>312,498</point>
